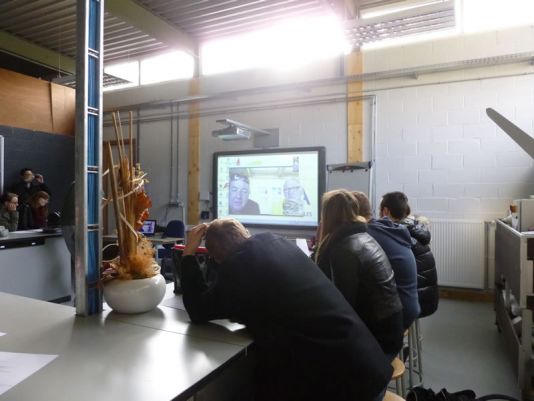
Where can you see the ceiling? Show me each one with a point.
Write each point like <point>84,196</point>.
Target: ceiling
<point>44,31</point>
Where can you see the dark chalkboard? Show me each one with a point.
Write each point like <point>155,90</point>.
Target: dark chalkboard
<point>51,155</point>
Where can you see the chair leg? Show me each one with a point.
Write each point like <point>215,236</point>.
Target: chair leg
<point>419,347</point>
<point>410,357</point>
<point>400,387</point>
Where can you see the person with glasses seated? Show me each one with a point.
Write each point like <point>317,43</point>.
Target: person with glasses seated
<point>238,194</point>
<point>9,216</point>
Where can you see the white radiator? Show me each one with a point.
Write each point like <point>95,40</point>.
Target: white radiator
<point>459,247</point>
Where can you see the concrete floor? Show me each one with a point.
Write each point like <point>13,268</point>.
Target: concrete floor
<point>462,349</point>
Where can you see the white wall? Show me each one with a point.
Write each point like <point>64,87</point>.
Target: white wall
<point>435,141</point>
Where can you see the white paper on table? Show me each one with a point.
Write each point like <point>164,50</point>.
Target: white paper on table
<point>232,326</point>
<point>303,245</point>
<point>15,367</point>
<point>2,334</point>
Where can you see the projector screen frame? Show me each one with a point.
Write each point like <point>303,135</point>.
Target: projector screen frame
<point>321,181</point>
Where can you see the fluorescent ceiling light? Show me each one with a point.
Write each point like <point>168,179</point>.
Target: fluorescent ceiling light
<point>397,7</point>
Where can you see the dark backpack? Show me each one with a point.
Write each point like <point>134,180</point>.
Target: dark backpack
<point>422,394</point>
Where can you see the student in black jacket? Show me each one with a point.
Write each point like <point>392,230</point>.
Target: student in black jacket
<point>354,261</point>
<point>310,343</point>
<point>395,205</point>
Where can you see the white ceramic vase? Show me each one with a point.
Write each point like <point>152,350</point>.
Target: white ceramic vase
<point>135,296</point>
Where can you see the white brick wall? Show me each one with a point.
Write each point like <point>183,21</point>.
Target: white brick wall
<point>475,169</point>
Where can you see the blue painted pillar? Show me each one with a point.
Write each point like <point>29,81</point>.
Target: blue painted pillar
<point>88,160</point>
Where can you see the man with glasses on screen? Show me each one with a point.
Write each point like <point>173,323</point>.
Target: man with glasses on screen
<point>294,198</point>
<point>238,195</point>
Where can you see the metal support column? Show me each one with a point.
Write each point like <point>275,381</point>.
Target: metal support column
<point>88,236</point>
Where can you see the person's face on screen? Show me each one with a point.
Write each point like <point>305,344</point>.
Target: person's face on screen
<point>238,196</point>
<point>293,190</point>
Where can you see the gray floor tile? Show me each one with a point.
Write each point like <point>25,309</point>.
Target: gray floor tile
<point>462,349</point>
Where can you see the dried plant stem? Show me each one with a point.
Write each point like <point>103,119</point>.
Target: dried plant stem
<point>115,193</point>
<point>131,204</point>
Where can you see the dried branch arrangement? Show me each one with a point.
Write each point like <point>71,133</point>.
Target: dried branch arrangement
<point>130,203</point>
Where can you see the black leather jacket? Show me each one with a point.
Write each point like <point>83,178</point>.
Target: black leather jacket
<point>427,276</point>
<point>360,269</point>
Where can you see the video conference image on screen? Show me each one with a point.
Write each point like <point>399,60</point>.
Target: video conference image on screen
<point>269,188</point>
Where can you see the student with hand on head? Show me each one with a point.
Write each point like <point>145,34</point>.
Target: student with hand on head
<point>396,242</point>
<point>310,344</point>
<point>359,268</point>
<point>9,216</point>
<point>238,193</point>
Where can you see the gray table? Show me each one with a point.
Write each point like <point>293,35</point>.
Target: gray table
<point>35,264</point>
<point>154,356</point>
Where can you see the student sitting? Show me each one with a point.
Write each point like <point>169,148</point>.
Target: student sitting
<point>35,212</point>
<point>310,344</point>
<point>9,216</point>
<point>360,269</point>
<point>427,277</point>
<point>395,241</point>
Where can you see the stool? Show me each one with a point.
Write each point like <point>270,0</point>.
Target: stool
<point>415,355</point>
<point>398,375</point>
<point>392,397</point>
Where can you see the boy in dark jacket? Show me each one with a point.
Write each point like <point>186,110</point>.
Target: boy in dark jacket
<point>396,242</point>
<point>395,204</point>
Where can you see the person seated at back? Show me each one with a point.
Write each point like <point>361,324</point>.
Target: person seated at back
<point>9,216</point>
<point>396,242</point>
<point>359,268</point>
<point>310,344</point>
<point>35,212</point>
<point>427,277</point>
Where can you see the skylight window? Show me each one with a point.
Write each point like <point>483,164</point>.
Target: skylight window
<point>287,45</point>
<point>128,71</point>
<point>167,67</point>
<point>484,15</point>
<point>396,7</point>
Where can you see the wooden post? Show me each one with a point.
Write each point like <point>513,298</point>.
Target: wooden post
<point>354,66</point>
<point>193,169</point>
